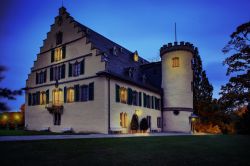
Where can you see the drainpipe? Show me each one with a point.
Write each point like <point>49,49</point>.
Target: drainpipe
<point>109,131</point>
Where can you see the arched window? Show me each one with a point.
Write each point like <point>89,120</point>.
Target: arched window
<point>175,62</point>
<point>123,120</point>
<point>57,97</point>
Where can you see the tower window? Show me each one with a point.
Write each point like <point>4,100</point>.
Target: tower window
<point>136,56</point>
<point>176,62</point>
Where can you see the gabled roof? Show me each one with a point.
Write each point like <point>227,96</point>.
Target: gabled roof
<point>121,59</point>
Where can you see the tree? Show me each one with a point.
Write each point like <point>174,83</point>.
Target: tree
<point>202,89</point>
<point>6,93</point>
<point>134,122</point>
<point>235,93</point>
<point>144,124</point>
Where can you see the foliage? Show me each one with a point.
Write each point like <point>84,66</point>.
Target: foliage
<point>202,89</point>
<point>243,125</point>
<point>235,93</point>
<point>6,93</point>
<point>144,124</point>
<point>134,122</point>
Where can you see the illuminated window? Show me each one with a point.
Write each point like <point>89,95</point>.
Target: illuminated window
<point>70,95</point>
<point>57,97</point>
<point>123,120</point>
<point>176,62</point>
<point>58,54</point>
<point>136,56</point>
<point>123,95</point>
<point>43,98</point>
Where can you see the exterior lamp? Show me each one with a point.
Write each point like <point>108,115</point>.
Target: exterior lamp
<point>138,112</point>
<point>193,118</point>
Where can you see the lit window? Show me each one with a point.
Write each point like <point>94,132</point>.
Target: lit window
<point>58,54</point>
<point>57,97</point>
<point>136,56</point>
<point>43,98</point>
<point>176,62</point>
<point>123,95</point>
<point>123,120</point>
<point>70,95</point>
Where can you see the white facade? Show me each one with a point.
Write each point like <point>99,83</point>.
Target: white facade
<point>100,113</point>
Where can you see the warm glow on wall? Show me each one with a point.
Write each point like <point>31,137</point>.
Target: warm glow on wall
<point>5,117</point>
<point>138,112</point>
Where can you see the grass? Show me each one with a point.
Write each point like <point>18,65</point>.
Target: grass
<point>228,150</point>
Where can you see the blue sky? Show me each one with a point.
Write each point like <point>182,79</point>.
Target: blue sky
<point>143,25</point>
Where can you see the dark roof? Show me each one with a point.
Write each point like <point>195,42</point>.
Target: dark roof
<point>120,61</point>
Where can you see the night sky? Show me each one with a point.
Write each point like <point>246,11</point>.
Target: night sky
<point>143,25</point>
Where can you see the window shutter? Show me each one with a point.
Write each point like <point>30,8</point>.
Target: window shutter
<point>117,93</point>
<point>130,96</point>
<point>37,98</point>
<point>153,102</point>
<point>47,96</point>
<point>65,94</point>
<point>91,91</point>
<point>29,99</point>
<point>76,88</point>
<point>144,100</point>
<point>139,98</point>
<point>52,55</point>
<point>82,66</point>
<point>70,70</point>
<point>64,52</point>
<point>45,76</point>
<point>36,78</point>
<point>51,74</point>
<point>63,71</point>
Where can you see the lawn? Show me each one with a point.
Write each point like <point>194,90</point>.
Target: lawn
<point>228,150</point>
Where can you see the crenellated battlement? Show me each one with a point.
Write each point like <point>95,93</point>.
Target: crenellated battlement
<point>178,46</point>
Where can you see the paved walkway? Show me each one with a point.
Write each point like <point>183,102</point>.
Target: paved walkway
<point>51,137</point>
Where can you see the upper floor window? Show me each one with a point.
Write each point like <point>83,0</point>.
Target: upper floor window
<point>58,54</point>
<point>57,97</point>
<point>123,95</point>
<point>84,93</point>
<point>175,62</point>
<point>76,68</point>
<point>59,37</point>
<point>57,72</point>
<point>41,77</point>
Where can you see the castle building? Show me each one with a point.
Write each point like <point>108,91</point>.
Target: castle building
<point>88,83</point>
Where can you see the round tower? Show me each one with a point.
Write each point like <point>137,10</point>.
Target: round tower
<point>177,85</point>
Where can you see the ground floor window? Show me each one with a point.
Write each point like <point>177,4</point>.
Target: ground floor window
<point>123,120</point>
<point>57,119</point>
<point>57,97</point>
<point>70,95</point>
<point>43,98</point>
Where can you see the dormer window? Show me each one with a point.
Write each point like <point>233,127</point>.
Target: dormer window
<point>59,37</point>
<point>136,56</point>
<point>114,50</point>
<point>130,73</point>
<point>144,78</point>
<point>175,62</point>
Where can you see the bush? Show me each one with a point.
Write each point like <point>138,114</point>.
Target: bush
<point>144,124</point>
<point>134,122</point>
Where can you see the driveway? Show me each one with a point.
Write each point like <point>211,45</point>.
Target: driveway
<point>51,137</point>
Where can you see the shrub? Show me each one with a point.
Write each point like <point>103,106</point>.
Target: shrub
<point>134,125</point>
<point>144,124</point>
